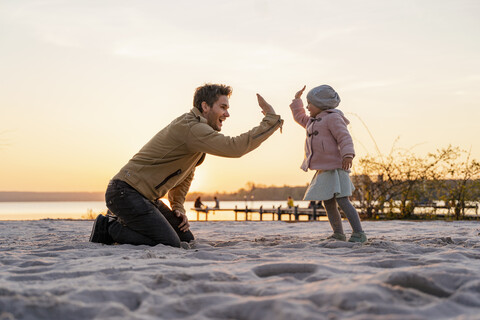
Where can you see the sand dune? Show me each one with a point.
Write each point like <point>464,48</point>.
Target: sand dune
<point>243,270</point>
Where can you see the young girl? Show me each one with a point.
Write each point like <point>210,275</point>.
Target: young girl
<point>329,151</point>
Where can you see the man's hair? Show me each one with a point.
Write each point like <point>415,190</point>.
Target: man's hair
<point>210,93</point>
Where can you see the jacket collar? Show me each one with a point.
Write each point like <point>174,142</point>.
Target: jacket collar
<point>325,112</point>
<point>328,111</point>
<point>198,115</point>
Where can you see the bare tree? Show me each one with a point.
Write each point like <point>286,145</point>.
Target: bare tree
<point>395,184</point>
<point>460,183</point>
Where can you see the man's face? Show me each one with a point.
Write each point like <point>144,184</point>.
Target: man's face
<point>217,113</point>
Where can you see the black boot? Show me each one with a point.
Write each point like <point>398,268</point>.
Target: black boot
<point>100,230</point>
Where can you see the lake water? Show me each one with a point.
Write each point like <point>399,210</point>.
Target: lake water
<point>80,209</point>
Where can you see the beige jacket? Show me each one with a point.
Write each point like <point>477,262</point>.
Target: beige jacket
<point>167,162</point>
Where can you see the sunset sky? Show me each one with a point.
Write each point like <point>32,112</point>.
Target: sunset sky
<point>85,84</point>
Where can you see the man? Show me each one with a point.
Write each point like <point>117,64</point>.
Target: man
<point>166,165</point>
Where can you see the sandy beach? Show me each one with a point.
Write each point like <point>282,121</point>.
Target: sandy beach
<point>243,270</point>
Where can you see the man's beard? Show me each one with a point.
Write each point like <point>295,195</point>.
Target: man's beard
<point>213,123</point>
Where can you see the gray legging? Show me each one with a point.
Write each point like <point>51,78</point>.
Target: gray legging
<point>334,216</point>
<point>140,220</point>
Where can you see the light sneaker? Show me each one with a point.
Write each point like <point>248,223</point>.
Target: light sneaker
<point>100,230</point>
<point>358,237</point>
<point>338,236</point>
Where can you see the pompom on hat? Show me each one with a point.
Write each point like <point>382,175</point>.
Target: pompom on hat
<point>324,97</point>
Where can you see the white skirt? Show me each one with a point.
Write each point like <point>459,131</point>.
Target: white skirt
<point>328,184</point>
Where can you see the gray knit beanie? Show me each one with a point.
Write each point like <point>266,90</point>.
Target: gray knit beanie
<point>323,97</point>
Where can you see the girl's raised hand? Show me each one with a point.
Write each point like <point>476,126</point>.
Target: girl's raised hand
<point>299,93</point>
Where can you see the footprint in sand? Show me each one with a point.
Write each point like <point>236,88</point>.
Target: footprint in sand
<point>421,283</point>
<point>296,270</point>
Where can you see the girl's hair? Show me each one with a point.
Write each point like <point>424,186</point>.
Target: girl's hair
<point>210,93</point>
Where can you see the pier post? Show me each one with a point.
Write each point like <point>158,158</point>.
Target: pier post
<point>235,213</point>
<point>279,214</point>
<point>314,212</point>
<point>296,213</point>
<point>261,213</point>
<point>246,213</point>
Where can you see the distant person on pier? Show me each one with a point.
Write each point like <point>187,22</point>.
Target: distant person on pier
<point>198,203</point>
<point>329,151</point>
<point>166,166</point>
<point>217,203</point>
<point>290,203</point>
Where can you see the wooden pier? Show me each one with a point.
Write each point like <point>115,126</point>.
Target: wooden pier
<point>314,214</point>
<point>277,213</point>
<point>435,206</point>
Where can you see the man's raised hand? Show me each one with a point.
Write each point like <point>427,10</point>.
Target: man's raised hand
<point>266,107</point>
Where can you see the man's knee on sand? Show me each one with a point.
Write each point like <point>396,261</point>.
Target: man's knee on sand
<point>124,235</point>
<point>174,221</point>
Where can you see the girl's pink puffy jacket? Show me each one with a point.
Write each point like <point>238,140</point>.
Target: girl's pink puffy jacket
<point>328,140</point>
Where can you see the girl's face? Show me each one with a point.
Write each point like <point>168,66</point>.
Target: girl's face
<point>313,110</point>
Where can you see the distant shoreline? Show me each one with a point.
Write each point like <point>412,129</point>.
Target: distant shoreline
<point>18,196</point>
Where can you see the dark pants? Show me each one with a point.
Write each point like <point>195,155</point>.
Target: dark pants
<point>141,221</point>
